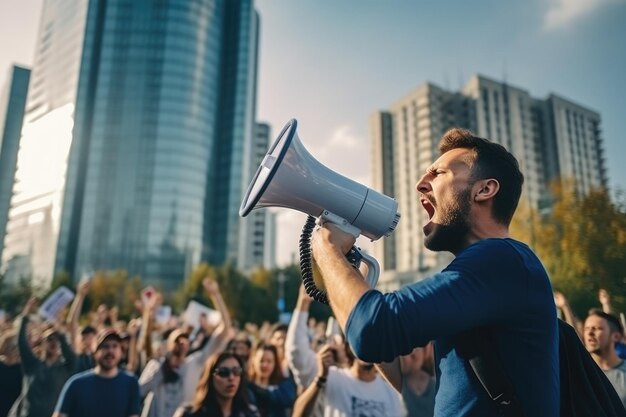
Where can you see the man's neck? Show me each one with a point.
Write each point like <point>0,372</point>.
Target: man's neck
<point>608,361</point>
<point>106,373</point>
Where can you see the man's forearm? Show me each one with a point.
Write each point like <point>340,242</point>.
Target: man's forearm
<point>305,403</point>
<point>220,304</point>
<point>344,284</point>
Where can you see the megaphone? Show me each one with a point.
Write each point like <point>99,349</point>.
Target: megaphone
<point>289,176</point>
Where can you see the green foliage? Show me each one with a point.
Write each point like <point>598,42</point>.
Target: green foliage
<point>13,296</point>
<point>582,243</point>
<point>114,288</point>
<point>62,279</point>
<point>252,299</point>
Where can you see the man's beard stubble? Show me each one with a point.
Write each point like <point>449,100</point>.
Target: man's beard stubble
<point>449,235</point>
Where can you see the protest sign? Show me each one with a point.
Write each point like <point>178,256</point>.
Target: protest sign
<point>195,309</point>
<point>56,302</point>
<point>163,314</point>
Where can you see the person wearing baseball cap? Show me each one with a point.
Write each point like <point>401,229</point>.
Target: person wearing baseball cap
<point>106,390</point>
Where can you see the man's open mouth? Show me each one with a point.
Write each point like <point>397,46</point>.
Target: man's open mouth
<point>430,209</point>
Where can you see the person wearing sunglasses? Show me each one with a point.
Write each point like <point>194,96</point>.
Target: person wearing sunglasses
<point>222,390</point>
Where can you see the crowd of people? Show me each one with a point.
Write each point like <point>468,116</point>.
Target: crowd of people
<point>99,365</point>
<point>109,367</point>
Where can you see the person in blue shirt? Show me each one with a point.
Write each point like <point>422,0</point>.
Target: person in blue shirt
<point>494,283</point>
<point>106,390</point>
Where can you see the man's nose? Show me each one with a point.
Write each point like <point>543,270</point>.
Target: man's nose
<point>423,185</point>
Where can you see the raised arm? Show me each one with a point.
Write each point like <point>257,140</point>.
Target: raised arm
<point>68,352</point>
<point>221,334</point>
<point>133,329</point>
<point>151,377</point>
<point>568,314</point>
<point>28,358</point>
<point>213,290</point>
<point>82,289</point>
<point>605,301</point>
<point>144,342</point>
<point>305,403</point>
<point>300,356</point>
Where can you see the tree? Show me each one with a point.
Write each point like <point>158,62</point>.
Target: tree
<point>249,299</point>
<point>62,279</point>
<point>114,288</point>
<point>13,296</point>
<point>582,242</point>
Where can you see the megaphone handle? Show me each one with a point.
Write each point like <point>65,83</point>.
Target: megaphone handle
<point>355,257</point>
<point>373,270</point>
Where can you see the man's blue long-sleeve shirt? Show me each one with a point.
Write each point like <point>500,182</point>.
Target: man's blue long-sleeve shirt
<point>495,283</point>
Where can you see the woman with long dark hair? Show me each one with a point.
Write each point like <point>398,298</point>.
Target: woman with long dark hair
<point>221,391</point>
<point>274,394</point>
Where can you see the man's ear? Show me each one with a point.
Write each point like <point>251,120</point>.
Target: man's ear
<point>615,336</point>
<point>485,189</point>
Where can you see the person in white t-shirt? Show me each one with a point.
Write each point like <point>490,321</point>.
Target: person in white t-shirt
<point>354,391</point>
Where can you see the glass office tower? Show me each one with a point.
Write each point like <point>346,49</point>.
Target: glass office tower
<point>164,112</point>
<point>164,116</point>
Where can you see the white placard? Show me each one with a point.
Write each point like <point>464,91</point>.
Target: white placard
<point>163,314</point>
<point>195,309</point>
<point>56,302</point>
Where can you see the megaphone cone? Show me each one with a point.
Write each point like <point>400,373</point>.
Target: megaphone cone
<point>290,177</point>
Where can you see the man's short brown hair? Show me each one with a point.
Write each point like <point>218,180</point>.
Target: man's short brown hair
<point>614,324</point>
<point>490,160</point>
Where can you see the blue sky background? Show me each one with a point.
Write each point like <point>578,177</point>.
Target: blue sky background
<point>332,63</point>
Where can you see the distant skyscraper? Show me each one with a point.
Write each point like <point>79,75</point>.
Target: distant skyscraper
<point>552,139</point>
<point>163,107</point>
<point>12,104</point>
<point>36,204</point>
<point>259,227</point>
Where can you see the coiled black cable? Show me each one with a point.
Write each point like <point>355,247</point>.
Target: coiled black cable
<point>306,266</point>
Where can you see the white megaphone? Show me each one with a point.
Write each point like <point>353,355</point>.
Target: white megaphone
<point>290,177</point>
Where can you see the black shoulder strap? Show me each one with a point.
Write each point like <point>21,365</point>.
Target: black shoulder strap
<point>476,346</point>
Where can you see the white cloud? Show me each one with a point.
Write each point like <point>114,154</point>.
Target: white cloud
<point>345,152</point>
<point>563,12</point>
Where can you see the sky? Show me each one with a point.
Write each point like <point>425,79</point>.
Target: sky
<point>332,63</point>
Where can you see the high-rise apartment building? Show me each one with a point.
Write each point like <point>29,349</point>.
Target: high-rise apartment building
<point>158,105</point>
<point>258,229</point>
<point>12,104</point>
<point>552,138</point>
<point>575,144</point>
